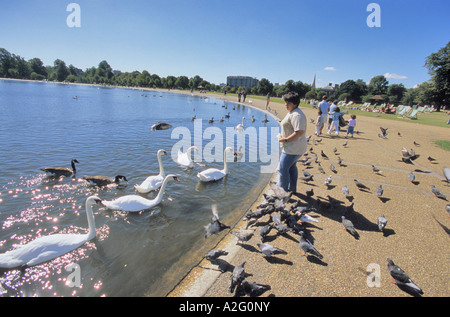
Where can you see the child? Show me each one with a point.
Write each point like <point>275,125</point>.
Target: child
<point>351,125</point>
<point>335,123</point>
<point>319,122</point>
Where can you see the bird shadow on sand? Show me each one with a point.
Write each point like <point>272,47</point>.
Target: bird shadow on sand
<point>248,247</point>
<point>445,228</point>
<point>315,260</point>
<point>384,199</point>
<point>277,260</point>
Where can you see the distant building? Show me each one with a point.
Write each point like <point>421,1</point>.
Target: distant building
<point>241,81</point>
<point>330,88</point>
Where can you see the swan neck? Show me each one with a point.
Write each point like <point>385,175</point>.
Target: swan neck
<point>161,191</point>
<point>225,164</point>
<point>161,168</point>
<point>91,220</point>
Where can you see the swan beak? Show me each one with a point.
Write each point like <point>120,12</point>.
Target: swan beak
<point>165,153</point>
<point>99,202</point>
<point>176,178</point>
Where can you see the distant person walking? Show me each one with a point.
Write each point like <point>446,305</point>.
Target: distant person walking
<point>268,100</point>
<point>293,142</point>
<point>239,96</point>
<point>335,123</point>
<point>324,106</point>
<point>330,113</point>
<point>244,95</point>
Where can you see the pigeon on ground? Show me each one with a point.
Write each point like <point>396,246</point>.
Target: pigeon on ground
<point>214,254</point>
<point>376,170</point>
<point>431,159</point>
<point>215,226</point>
<point>307,179</point>
<point>308,247</point>
<point>264,231</point>
<point>243,236</point>
<point>346,191</point>
<point>304,217</point>
<point>332,168</point>
<point>415,143</point>
<point>335,150</point>
<point>253,289</point>
<point>411,177</point>
<point>348,225</point>
<point>382,221</point>
<point>345,143</point>
<point>237,276</point>
<point>339,161</point>
<point>360,185</point>
<point>447,208</point>
<point>280,192</point>
<point>384,131</point>
<point>320,168</point>
<point>328,181</point>
<point>323,155</point>
<point>269,250</point>
<point>437,192</point>
<point>380,191</point>
<point>400,277</point>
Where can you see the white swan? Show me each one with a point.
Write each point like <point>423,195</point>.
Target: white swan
<point>49,247</point>
<point>153,182</point>
<point>240,127</point>
<point>135,203</point>
<point>214,174</point>
<point>184,158</point>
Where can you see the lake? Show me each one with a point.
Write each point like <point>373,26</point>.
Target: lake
<point>107,130</point>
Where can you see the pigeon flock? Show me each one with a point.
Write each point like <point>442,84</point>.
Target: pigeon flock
<point>295,218</point>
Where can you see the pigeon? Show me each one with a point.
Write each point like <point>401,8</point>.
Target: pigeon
<point>304,217</point>
<point>430,159</point>
<point>323,154</point>
<point>214,254</point>
<point>380,191</point>
<point>360,185</point>
<point>446,172</point>
<point>328,181</point>
<point>382,221</point>
<point>384,131</point>
<point>400,277</point>
<point>335,150</point>
<point>215,226</point>
<point>348,225</point>
<point>237,276</point>
<point>264,231</point>
<point>306,173</point>
<point>411,177</point>
<point>332,168</point>
<point>316,159</point>
<point>345,143</point>
<point>339,160</point>
<point>269,250</point>
<point>308,247</point>
<point>307,179</point>
<point>320,168</point>
<point>376,170</point>
<point>382,136</point>
<point>447,208</point>
<point>280,192</point>
<point>415,143</point>
<point>437,192</point>
<point>253,289</point>
<point>243,236</point>
<point>346,191</point>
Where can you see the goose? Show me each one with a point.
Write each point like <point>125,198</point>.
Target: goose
<point>135,203</point>
<point>240,127</point>
<point>153,182</point>
<point>222,119</point>
<point>227,116</point>
<point>61,171</point>
<point>214,174</point>
<point>253,119</point>
<point>184,158</point>
<point>194,117</point>
<point>46,248</point>
<point>265,119</point>
<point>104,180</point>
<point>211,120</point>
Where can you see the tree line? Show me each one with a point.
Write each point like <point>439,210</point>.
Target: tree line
<point>436,91</point>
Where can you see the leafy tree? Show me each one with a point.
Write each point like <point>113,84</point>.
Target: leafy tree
<point>182,82</point>
<point>37,66</point>
<point>264,87</point>
<point>7,62</point>
<point>61,70</point>
<point>438,65</point>
<point>396,92</point>
<point>378,85</point>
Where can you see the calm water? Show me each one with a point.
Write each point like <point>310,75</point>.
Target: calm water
<point>108,131</point>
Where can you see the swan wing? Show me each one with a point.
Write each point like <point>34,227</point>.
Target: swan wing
<point>211,174</point>
<point>131,203</point>
<point>150,183</point>
<point>42,250</point>
<point>184,159</point>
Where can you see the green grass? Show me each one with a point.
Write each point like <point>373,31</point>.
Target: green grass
<point>443,144</point>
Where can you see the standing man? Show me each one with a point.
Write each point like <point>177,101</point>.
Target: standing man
<point>324,107</point>
<point>330,113</point>
<point>268,100</point>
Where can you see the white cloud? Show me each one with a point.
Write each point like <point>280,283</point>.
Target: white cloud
<point>330,68</point>
<point>394,76</point>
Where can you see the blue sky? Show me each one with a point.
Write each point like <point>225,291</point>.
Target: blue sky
<point>278,40</point>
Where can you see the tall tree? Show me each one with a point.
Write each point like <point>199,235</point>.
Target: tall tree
<point>438,65</point>
<point>396,92</point>
<point>61,70</point>
<point>378,85</point>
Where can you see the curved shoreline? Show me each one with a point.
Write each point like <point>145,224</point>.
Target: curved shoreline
<point>416,237</point>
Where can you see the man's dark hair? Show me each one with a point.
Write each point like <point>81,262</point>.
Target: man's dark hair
<point>292,97</point>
